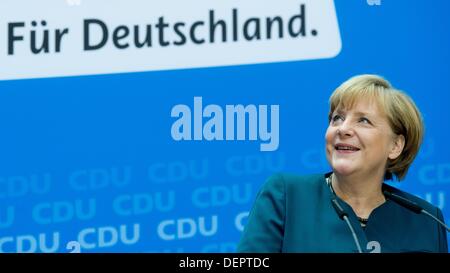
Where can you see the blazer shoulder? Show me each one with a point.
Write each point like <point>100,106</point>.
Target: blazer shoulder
<point>295,181</point>
<point>442,245</point>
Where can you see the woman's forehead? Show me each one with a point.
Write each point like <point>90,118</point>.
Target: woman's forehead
<point>360,104</point>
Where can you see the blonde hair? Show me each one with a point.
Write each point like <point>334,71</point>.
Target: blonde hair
<point>403,116</point>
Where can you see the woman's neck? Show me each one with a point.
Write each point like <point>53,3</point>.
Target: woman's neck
<point>363,195</point>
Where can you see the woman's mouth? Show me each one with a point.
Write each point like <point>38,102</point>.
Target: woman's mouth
<point>345,148</point>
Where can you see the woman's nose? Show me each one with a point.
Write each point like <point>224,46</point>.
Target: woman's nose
<point>345,129</point>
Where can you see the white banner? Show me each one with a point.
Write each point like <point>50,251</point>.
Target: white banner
<point>50,38</point>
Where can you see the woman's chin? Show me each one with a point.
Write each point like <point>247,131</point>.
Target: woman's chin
<point>343,169</point>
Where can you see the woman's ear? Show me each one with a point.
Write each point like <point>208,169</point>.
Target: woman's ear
<point>397,148</point>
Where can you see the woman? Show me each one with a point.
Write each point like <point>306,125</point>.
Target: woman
<point>374,134</point>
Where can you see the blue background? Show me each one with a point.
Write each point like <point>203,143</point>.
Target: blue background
<point>115,129</point>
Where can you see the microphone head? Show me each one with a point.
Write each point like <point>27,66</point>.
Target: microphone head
<point>413,206</point>
<point>403,202</point>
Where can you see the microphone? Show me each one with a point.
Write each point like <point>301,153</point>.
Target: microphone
<point>413,206</point>
<point>344,216</point>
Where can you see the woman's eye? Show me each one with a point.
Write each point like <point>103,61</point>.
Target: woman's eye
<point>337,117</point>
<point>364,120</point>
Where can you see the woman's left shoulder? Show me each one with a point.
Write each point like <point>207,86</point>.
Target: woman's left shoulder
<point>298,181</point>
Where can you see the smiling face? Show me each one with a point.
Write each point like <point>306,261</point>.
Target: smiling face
<point>359,140</point>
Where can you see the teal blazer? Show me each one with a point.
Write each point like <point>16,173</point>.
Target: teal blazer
<point>294,214</point>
